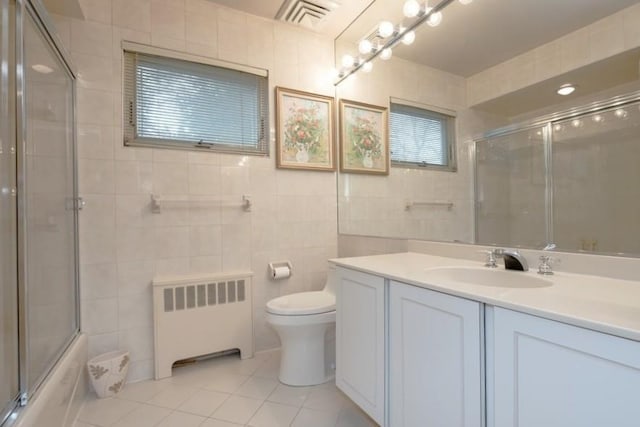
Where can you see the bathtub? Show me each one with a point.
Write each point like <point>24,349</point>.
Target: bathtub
<point>58,400</point>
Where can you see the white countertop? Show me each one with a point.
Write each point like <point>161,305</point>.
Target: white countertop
<point>607,305</point>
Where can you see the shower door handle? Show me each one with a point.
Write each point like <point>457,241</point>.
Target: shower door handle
<point>75,203</point>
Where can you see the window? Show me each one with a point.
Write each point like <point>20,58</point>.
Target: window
<point>421,138</point>
<point>180,103</point>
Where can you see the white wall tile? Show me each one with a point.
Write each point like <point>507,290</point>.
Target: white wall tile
<point>96,10</point>
<point>91,38</point>
<point>132,14</point>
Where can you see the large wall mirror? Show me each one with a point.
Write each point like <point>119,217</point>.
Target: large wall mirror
<point>512,163</point>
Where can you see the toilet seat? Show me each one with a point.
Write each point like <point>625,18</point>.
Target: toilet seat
<point>302,303</point>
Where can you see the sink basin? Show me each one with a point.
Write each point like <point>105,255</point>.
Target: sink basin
<point>484,276</point>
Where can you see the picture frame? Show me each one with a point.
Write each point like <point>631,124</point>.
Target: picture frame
<point>364,138</point>
<point>305,130</point>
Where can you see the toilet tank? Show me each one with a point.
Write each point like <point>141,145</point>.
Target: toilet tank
<point>330,284</point>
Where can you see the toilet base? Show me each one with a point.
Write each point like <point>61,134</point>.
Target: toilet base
<point>302,356</point>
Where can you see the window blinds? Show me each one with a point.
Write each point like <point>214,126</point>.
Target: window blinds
<point>419,137</point>
<point>184,104</point>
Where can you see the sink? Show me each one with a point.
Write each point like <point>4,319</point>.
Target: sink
<point>498,278</point>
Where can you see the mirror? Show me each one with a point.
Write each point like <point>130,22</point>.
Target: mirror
<point>525,173</point>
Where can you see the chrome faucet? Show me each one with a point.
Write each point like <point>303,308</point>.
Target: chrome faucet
<point>514,260</point>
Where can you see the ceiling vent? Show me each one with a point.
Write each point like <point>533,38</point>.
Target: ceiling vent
<point>306,13</point>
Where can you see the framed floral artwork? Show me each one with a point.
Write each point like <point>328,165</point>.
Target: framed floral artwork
<point>305,131</point>
<point>364,138</point>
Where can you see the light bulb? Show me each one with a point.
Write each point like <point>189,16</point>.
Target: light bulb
<point>409,38</point>
<point>367,67</point>
<point>333,73</point>
<point>411,8</point>
<point>557,127</point>
<point>435,19</point>
<point>465,1</point>
<point>347,61</point>
<point>576,123</point>
<point>597,118</point>
<point>386,54</point>
<point>385,29</point>
<point>565,90</point>
<point>365,46</point>
<point>621,113</point>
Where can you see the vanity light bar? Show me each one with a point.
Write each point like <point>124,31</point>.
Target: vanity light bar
<point>393,40</point>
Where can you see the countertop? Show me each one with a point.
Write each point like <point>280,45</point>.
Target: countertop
<point>599,303</point>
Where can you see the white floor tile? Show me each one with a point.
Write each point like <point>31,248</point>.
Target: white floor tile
<point>257,388</point>
<point>237,409</point>
<point>352,416</point>
<point>314,418</point>
<point>288,395</point>
<point>269,369</point>
<point>226,382</point>
<point>274,415</point>
<point>105,412</point>
<point>173,396</point>
<point>142,391</point>
<point>203,402</point>
<point>210,422</point>
<point>182,419</point>
<point>325,399</point>
<point>144,416</point>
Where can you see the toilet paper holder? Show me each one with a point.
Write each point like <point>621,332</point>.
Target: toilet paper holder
<point>279,265</point>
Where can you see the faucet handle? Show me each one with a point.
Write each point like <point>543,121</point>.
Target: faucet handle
<point>546,262</point>
<point>491,257</point>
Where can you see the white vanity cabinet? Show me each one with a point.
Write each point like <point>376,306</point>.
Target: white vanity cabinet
<point>360,340</point>
<point>547,373</point>
<point>435,359</point>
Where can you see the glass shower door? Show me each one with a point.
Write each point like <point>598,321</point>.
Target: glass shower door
<point>9,381</point>
<point>510,189</point>
<point>49,212</point>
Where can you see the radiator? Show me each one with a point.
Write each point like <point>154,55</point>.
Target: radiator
<point>199,315</point>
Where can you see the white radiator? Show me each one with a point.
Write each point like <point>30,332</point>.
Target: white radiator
<point>199,315</point>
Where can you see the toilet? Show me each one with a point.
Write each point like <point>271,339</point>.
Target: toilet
<point>302,320</point>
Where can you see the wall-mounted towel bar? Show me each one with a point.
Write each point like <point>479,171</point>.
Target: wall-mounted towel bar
<point>410,204</point>
<point>158,201</point>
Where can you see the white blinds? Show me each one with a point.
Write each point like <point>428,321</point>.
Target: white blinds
<point>186,104</point>
<point>419,137</point>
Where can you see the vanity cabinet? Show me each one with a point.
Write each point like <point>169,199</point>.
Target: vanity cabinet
<point>360,340</point>
<point>547,373</point>
<point>435,359</point>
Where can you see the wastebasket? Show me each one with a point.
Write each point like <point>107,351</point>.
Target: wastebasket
<point>108,372</point>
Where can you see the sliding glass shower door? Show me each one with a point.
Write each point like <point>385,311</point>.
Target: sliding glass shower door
<point>9,385</point>
<point>47,210</point>
<point>38,203</point>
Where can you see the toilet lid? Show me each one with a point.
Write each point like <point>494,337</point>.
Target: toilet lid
<point>302,303</point>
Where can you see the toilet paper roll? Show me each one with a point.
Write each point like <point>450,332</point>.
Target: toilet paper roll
<point>281,272</point>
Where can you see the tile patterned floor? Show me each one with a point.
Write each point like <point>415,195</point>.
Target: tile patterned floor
<point>224,392</point>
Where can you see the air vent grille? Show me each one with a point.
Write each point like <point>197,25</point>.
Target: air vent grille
<point>307,13</point>
<point>201,295</point>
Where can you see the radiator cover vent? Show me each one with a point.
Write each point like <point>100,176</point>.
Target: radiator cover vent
<point>200,315</point>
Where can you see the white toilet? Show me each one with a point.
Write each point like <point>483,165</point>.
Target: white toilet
<point>302,320</point>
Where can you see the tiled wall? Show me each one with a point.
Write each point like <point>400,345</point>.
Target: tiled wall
<point>122,244</point>
<point>611,35</point>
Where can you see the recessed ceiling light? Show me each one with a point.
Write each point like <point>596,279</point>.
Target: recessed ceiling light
<point>42,69</point>
<point>567,89</point>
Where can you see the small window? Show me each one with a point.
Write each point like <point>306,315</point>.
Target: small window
<point>421,138</point>
<point>179,103</point>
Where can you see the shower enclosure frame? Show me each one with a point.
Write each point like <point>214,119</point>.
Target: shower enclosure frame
<point>545,122</point>
<point>18,115</point>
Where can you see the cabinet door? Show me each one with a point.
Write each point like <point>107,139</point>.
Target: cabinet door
<point>360,347</point>
<point>434,359</point>
<point>555,375</point>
